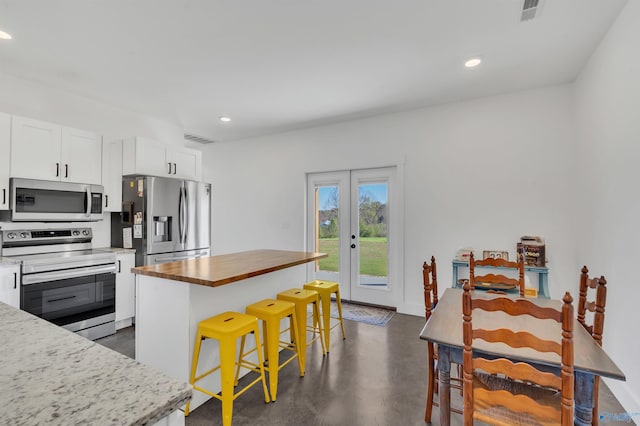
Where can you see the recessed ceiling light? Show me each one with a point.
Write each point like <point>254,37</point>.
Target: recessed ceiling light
<point>5,36</point>
<point>473,62</point>
<point>225,119</point>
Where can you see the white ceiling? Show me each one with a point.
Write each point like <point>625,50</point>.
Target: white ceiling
<point>277,65</point>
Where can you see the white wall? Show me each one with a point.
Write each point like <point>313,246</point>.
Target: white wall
<point>522,141</point>
<point>608,116</point>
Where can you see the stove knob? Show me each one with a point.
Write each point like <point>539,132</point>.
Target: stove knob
<point>11,235</point>
<point>24,235</point>
<point>85,232</point>
<point>76,233</point>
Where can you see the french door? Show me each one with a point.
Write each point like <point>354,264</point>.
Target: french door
<point>352,217</point>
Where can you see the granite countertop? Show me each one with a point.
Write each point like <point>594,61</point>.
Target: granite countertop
<point>51,376</point>
<point>224,269</point>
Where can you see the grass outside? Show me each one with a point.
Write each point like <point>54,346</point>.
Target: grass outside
<point>373,255</point>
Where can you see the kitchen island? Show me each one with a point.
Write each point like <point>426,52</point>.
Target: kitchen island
<point>52,376</point>
<point>172,298</point>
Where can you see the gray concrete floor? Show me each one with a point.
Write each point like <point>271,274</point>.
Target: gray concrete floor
<point>377,376</point>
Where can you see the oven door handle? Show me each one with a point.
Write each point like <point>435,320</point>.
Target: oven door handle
<point>72,273</point>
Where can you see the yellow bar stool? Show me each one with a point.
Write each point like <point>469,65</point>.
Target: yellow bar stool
<point>271,312</point>
<point>301,298</point>
<point>226,328</point>
<point>325,289</point>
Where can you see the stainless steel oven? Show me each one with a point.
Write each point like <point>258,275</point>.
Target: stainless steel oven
<point>64,280</point>
<point>45,201</point>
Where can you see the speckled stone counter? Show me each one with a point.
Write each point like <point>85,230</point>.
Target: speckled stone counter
<point>54,377</point>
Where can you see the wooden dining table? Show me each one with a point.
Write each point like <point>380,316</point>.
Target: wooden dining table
<point>445,328</point>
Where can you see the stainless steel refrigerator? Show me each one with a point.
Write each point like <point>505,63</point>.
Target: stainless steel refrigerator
<point>165,219</point>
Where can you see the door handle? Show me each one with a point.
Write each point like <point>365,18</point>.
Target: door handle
<point>15,280</point>
<point>119,266</point>
<point>57,169</point>
<point>169,167</point>
<point>66,170</point>
<point>4,196</point>
<point>175,168</point>
<point>106,200</point>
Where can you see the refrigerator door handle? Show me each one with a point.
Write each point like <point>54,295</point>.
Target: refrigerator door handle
<point>186,215</point>
<point>183,216</point>
<point>180,218</point>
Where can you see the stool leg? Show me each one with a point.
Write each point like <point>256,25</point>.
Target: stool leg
<point>227,362</point>
<point>301,332</point>
<point>194,366</point>
<point>271,338</point>
<point>316,313</point>
<point>326,318</point>
<point>294,322</point>
<point>240,356</point>
<point>261,366</point>
<point>339,303</point>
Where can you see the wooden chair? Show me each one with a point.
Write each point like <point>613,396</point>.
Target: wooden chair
<point>596,328</point>
<point>430,282</point>
<point>529,396</point>
<point>497,278</point>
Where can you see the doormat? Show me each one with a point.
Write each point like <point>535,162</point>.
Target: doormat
<point>365,314</point>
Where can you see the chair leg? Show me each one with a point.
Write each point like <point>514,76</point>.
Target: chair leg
<point>430,387</point>
<point>242,341</point>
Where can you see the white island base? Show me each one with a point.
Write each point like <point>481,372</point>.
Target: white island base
<point>168,313</point>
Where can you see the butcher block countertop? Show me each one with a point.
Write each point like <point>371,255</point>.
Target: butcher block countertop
<point>224,269</point>
<point>50,376</point>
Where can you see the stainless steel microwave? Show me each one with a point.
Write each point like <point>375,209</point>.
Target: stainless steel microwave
<point>45,201</point>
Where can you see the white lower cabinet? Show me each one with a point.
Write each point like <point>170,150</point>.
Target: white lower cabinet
<point>125,289</point>
<point>10,284</point>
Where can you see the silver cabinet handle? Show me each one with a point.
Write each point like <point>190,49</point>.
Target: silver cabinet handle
<point>57,169</point>
<point>66,170</point>
<point>169,167</point>
<point>4,196</point>
<point>15,280</point>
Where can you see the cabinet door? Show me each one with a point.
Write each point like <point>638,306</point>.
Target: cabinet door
<point>35,149</point>
<point>81,156</point>
<point>125,287</point>
<point>187,163</point>
<point>5,150</point>
<point>150,158</point>
<point>10,285</point>
<point>112,175</point>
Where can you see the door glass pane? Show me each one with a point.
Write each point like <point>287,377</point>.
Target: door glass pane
<point>327,233</point>
<point>373,238</point>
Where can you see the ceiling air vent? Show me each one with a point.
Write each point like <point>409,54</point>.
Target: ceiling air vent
<point>530,9</point>
<point>196,138</point>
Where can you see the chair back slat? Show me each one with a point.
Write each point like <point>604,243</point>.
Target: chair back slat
<point>518,370</point>
<point>497,278</point>
<point>543,414</point>
<point>516,307</point>
<point>518,339</point>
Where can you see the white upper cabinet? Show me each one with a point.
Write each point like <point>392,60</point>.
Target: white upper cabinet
<point>81,156</point>
<point>187,163</point>
<point>41,150</point>
<point>35,149</point>
<point>5,149</point>
<point>147,157</point>
<point>112,175</point>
